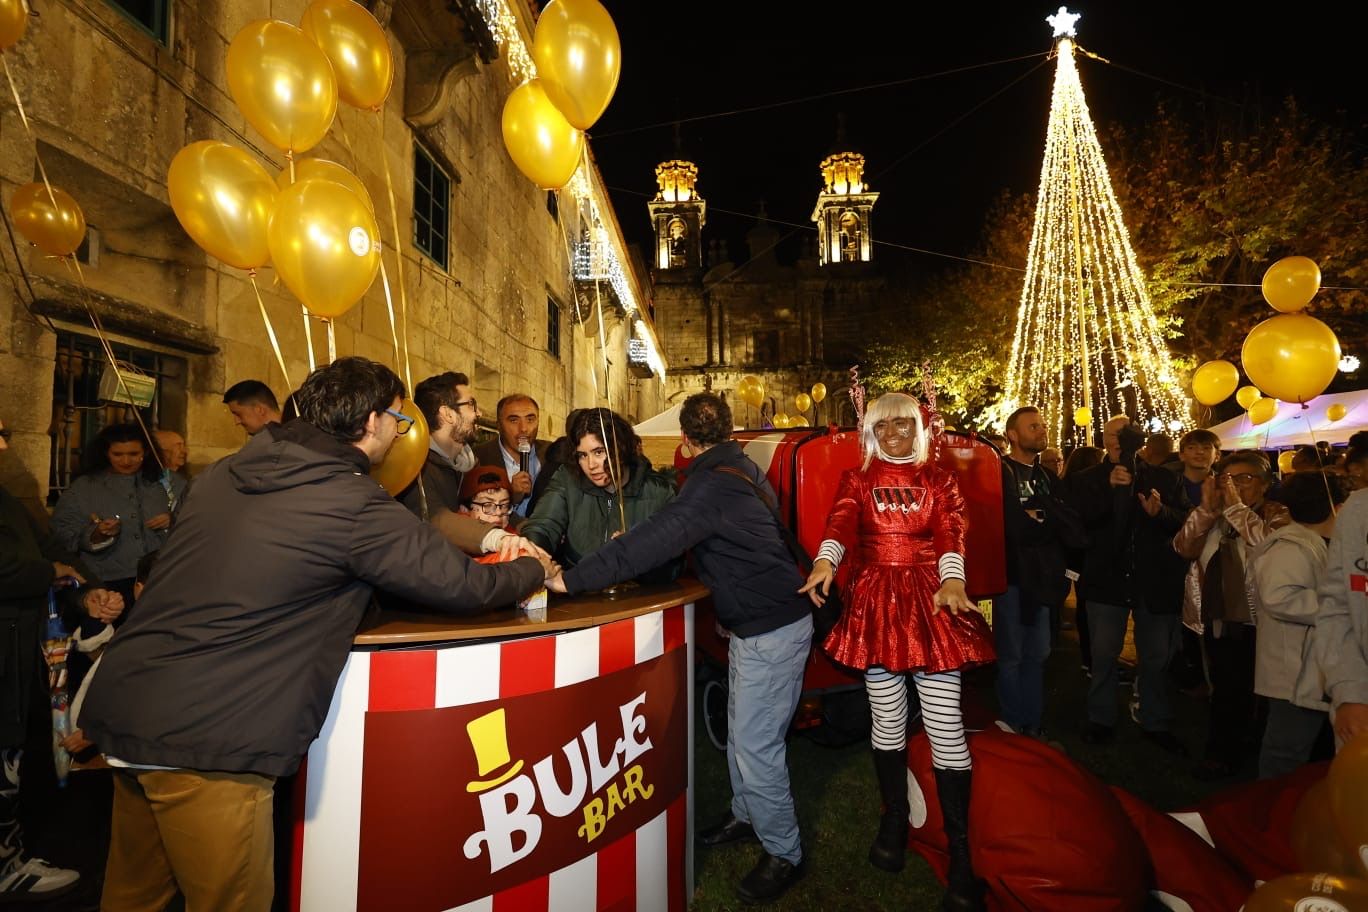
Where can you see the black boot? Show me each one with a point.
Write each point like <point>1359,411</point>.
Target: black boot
<point>963,891</point>
<point>889,850</point>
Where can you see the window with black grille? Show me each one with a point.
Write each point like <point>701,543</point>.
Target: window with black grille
<point>431,207</point>
<point>553,332</point>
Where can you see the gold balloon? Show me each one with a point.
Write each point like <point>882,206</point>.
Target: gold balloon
<point>56,230</point>
<point>1247,396</point>
<point>780,420</point>
<point>282,83</point>
<point>1214,381</point>
<point>752,380</point>
<point>539,139</point>
<point>405,458</point>
<point>578,57</point>
<point>324,244</point>
<point>1336,411</point>
<point>1312,833</point>
<point>802,402</point>
<point>1310,893</point>
<point>1348,785</point>
<point>1291,283</point>
<point>1262,411</point>
<point>223,199</point>
<point>1291,356</point>
<point>356,46</point>
<point>1285,462</point>
<point>818,392</point>
<point>1083,416</point>
<point>14,17</point>
<point>322,169</point>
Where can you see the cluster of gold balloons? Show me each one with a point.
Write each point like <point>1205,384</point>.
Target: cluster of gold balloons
<point>315,222</point>
<point>579,58</point>
<point>1291,357</point>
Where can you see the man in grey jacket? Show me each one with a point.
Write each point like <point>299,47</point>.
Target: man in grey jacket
<point>223,677</point>
<point>1342,625</point>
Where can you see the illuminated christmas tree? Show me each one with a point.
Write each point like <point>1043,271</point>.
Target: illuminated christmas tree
<point>1086,334</point>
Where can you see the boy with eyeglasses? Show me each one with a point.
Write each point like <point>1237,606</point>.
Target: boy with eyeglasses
<point>487,495</point>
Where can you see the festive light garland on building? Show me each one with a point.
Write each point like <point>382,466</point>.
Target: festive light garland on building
<point>599,256</point>
<point>1086,333</point>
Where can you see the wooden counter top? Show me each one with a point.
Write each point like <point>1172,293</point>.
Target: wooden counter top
<point>406,628</point>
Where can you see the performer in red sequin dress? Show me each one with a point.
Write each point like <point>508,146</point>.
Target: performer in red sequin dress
<point>899,520</point>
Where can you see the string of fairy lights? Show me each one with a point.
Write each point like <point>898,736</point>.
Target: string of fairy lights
<point>1086,335</point>
<point>600,254</point>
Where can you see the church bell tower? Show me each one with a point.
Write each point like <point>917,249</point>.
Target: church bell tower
<point>843,210</point>
<point>678,215</point>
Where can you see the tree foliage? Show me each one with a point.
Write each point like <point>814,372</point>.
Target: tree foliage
<point>1210,203</point>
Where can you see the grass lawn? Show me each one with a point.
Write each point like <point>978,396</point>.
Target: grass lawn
<point>838,803</point>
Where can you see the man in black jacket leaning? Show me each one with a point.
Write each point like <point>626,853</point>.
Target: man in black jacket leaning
<point>1132,510</point>
<point>223,677</point>
<point>722,513</point>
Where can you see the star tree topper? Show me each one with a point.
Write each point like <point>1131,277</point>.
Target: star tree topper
<point>1063,22</point>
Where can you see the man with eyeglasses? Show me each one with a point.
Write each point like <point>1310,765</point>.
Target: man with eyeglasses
<point>451,412</point>
<point>219,682</point>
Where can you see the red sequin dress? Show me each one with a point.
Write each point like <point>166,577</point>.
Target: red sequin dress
<point>895,522</point>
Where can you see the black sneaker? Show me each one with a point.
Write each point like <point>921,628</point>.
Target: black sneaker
<point>729,830</point>
<point>1165,740</point>
<point>1097,733</point>
<point>769,879</point>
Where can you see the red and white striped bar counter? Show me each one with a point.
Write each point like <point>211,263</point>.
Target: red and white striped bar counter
<point>497,764</point>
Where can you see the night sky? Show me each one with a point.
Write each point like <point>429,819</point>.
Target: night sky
<point>938,149</point>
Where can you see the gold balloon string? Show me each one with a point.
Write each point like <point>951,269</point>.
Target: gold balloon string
<point>332,339</point>
<point>579,314</point>
<point>73,264</point>
<point>384,273</point>
<point>270,331</point>
<point>28,128</point>
<point>615,452</point>
<point>398,256</point>
<point>308,337</point>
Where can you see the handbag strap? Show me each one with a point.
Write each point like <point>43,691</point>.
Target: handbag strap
<point>799,554</point>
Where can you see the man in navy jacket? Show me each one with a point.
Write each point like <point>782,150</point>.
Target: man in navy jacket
<point>723,514</point>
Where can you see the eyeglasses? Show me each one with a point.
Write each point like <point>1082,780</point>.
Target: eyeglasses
<point>1242,477</point>
<point>493,509</point>
<point>402,422</point>
<point>469,402</point>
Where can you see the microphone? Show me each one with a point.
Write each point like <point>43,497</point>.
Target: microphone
<point>524,455</point>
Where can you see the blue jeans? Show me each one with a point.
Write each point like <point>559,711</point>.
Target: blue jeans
<point>1288,738</point>
<point>764,680</point>
<point>1022,648</point>
<point>1156,642</point>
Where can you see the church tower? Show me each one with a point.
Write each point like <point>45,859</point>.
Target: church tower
<point>843,209</point>
<point>678,215</point>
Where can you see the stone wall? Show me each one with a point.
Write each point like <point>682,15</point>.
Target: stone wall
<point>111,107</point>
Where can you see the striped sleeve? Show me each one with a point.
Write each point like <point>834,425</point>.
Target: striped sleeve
<point>831,550</point>
<point>951,566</point>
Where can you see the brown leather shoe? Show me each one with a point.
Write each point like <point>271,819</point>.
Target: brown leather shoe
<point>729,830</point>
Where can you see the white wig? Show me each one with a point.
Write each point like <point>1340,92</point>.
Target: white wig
<point>886,408</point>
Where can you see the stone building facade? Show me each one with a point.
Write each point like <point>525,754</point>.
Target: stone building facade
<point>792,325</point>
<point>494,294</point>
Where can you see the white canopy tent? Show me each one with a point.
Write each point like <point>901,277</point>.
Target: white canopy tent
<point>1294,425</point>
<point>666,424</point>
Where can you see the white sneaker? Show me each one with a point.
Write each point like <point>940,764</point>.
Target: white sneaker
<point>36,879</point>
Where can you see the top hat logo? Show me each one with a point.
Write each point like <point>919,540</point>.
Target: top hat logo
<point>489,736</point>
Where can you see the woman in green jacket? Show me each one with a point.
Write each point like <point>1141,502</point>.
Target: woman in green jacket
<point>606,488</point>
